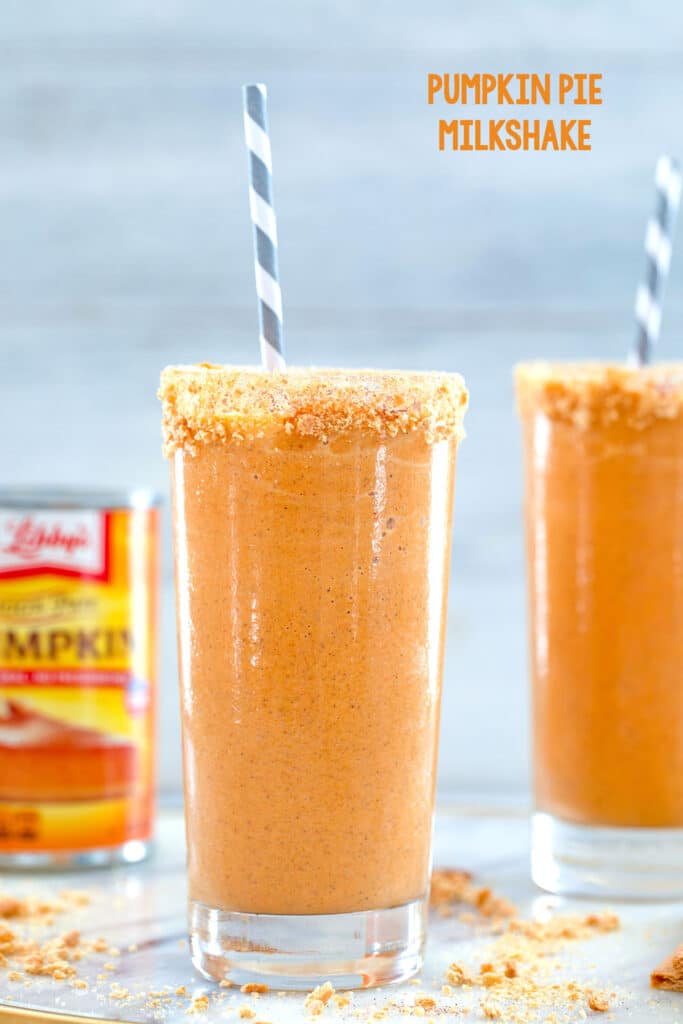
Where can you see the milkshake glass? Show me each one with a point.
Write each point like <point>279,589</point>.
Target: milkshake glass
<point>604,522</point>
<point>312,518</point>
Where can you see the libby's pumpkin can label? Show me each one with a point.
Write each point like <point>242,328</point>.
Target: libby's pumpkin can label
<point>78,653</point>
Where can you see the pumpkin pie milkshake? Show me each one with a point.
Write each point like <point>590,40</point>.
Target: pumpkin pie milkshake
<point>604,518</point>
<point>312,515</point>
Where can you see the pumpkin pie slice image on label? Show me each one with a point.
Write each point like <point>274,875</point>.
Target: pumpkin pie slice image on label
<point>46,760</point>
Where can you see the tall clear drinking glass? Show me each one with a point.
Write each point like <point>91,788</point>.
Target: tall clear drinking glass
<point>604,520</point>
<point>312,517</point>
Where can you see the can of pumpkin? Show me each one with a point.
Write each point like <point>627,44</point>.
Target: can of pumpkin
<point>78,665</point>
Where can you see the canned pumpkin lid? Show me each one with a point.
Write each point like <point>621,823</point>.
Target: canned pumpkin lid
<point>76,498</point>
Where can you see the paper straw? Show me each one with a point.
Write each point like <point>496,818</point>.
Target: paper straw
<point>658,244</point>
<point>265,230</point>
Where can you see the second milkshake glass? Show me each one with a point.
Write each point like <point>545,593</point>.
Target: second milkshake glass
<point>312,515</point>
<point>604,516</point>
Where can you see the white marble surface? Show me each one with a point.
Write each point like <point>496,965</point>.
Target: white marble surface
<point>144,907</point>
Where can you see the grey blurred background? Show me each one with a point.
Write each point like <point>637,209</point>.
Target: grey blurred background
<point>126,245</point>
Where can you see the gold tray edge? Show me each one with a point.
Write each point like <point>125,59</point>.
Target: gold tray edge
<point>25,1015</point>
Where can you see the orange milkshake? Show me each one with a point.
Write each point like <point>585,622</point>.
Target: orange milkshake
<point>604,515</point>
<point>312,518</point>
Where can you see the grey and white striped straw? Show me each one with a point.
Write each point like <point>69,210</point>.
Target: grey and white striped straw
<point>265,230</point>
<point>658,244</point>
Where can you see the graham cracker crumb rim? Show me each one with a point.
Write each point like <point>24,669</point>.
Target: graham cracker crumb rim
<point>597,393</point>
<point>206,403</point>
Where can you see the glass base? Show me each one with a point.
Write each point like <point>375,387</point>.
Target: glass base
<point>622,863</point>
<point>131,852</point>
<point>357,950</point>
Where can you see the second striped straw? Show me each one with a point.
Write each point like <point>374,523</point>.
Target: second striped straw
<point>265,229</point>
<point>658,243</point>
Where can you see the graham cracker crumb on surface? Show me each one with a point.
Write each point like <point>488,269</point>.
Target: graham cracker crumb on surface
<point>490,905</point>
<point>77,897</point>
<point>226,983</point>
<point>597,1002</point>
<point>40,909</point>
<point>606,921</point>
<point>453,885</point>
<point>522,967</point>
<point>426,1002</point>
<point>205,404</point>
<point>11,907</point>
<point>253,986</point>
<point>316,1000</point>
<point>246,1013</point>
<point>490,979</point>
<point>198,1005</point>
<point>567,927</point>
<point>449,885</point>
<point>669,974</point>
<point>22,948</point>
<point>458,975</point>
